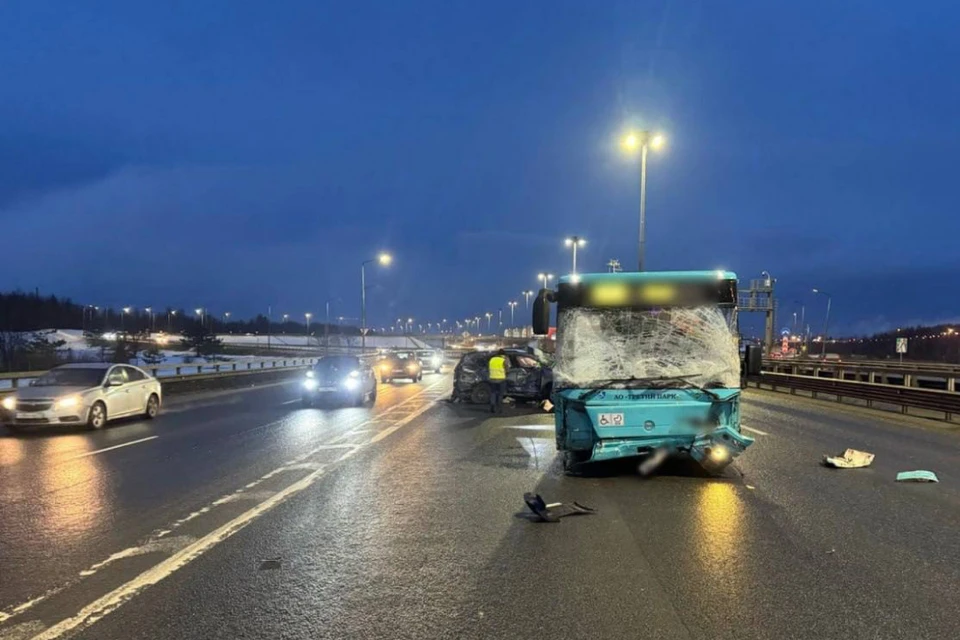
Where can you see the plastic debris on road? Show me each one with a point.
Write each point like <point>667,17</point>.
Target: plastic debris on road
<point>547,406</point>
<point>554,511</point>
<point>849,459</point>
<point>917,476</point>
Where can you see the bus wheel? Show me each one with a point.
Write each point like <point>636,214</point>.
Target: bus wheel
<point>572,461</point>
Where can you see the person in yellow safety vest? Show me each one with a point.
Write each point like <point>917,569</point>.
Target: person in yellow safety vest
<point>497,370</point>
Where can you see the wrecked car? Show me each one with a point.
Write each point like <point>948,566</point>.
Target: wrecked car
<point>528,378</point>
<point>647,366</point>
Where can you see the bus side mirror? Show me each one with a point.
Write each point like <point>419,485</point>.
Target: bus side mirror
<point>541,313</point>
<point>752,360</point>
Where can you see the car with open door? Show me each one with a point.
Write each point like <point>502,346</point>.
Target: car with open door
<point>528,378</point>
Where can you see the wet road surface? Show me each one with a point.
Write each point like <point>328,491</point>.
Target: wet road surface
<point>250,517</point>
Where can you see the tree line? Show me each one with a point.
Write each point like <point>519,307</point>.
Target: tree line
<point>27,342</point>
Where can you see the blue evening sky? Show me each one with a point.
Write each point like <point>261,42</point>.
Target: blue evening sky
<point>236,154</point>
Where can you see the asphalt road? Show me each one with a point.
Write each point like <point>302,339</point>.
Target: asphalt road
<point>248,516</point>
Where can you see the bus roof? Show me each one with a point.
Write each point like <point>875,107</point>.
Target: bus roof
<point>640,276</point>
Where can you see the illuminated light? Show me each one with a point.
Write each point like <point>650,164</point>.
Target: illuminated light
<point>353,374</point>
<point>385,259</point>
<point>385,367</point>
<point>656,293</point>
<point>351,384</point>
<point>658,141</point>
<point>718,454</point>
<point>310,384</point>
<point>610,294</point>
<point>631,141</point>
<point>575,279</point>
<point>719,274</point>
<point>68,402</point>
<point>9,403</point>
<point>310,374</point>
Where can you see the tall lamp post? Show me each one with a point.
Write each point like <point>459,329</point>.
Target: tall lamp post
<point>489,318</point>
<point>574,242</point>
<point>170,314</point>
<point>546,277</point>
<point>826,322</point>
<point>384,259</point>
<point>642,140</point>
<point>513,305</point>
<point>526,298</point>
<point>149,311</point>
<point>200,313</point>
<point>123,313</point>
<point>308,315</point>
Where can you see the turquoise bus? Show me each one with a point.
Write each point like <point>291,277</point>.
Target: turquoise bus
<point>647,366</point>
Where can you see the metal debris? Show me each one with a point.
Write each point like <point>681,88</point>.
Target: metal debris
<point>917,476</point>
<point>270,563</point>
<point>849,459</point>
<point>556,510</point>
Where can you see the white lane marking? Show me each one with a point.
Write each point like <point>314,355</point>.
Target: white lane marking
<point>752,430</point>
<point>291,401</point>
<point>104,605</point>
<point>168,544</point>
<point>116,446</point>
<point>537,449</point>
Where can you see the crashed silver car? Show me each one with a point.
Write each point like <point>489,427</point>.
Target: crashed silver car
<point>84,394</point>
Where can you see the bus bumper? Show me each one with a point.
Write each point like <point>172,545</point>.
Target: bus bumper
<point>713,450</point>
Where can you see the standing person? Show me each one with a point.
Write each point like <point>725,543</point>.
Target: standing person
<point>497,369</point>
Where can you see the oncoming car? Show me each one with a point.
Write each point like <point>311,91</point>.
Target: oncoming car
<point>400,364</point>
<point>430,360</point>
<point>85,394</point>
<point>339,378</point>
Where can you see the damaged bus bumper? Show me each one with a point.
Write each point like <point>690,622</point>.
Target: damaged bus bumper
<point>714,450</point>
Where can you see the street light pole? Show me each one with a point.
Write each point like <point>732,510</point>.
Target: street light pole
<point>384,259</point>
<point>546,277</point>
<point>826,323</point>
<point>574,242</point>
<point>526,298</point>
<point>643,140</point>
<point>513,305</point>
<point>308,315</point>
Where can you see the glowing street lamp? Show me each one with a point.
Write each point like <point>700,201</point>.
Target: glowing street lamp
<point>513,305</point>
<point>308,315</point>
<point>642,140</point>
<point>546,277</point>
<point>124,311</point>
<point>574,242</point>
<point>526,298</point>
<point>489,318</point>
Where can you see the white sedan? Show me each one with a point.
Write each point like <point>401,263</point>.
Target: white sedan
<point>88,394</point>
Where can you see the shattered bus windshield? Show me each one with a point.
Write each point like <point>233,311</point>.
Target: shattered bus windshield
<point>600,345</point>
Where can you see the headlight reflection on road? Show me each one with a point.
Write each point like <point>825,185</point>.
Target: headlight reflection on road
<point>719,532</point>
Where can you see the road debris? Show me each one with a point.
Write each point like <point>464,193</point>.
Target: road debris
<point>849,459</point>
<point>554,511</point>
<point>547,406</point>
<point>651,462</point>
<point>917,476</point>
<point>750,486</point>
<point>270,563</point>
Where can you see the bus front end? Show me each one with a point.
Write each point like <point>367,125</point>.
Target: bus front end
<point>647,366</point>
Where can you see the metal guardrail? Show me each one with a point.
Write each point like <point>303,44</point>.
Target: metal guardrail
<point>947,402</point>
<point>917,375</point>
<point>171,372</point>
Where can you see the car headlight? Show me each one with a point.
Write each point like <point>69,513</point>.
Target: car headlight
<point>412,366</point>
<point>9,403</point>
<point>385,366</point>
<point>353,374</point>
<point>68,403</point>
<point>309,374</point>
<point>310,384</point>
<point>351,383</point>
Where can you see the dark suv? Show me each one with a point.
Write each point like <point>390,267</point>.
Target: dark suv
<point>527,378</point>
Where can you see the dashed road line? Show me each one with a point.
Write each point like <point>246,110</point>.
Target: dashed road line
<point>116,446</point>
<point>752,430</point>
